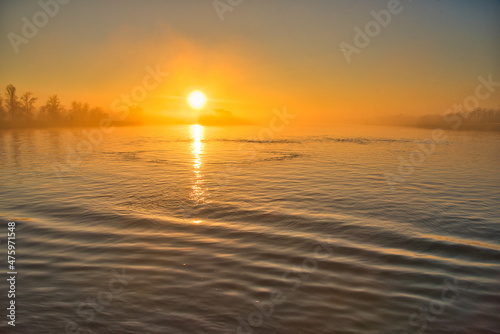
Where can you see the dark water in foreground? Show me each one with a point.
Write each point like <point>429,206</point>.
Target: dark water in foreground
<point>206,230</point>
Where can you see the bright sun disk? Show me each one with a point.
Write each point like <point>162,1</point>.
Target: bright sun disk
<point>197,100</point>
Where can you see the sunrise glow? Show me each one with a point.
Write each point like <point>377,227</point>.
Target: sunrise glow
<point>197,100</point>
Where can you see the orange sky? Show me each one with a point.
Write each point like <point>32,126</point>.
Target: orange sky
<point>262,56</point>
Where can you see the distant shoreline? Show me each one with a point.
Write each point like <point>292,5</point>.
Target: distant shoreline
<point>9,125</point>
<point>447,126</point>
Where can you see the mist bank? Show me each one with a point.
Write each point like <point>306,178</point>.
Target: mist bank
<point>22,112</point>
<point>480,119</point>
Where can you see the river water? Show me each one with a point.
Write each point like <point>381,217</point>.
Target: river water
<point>191,229</point>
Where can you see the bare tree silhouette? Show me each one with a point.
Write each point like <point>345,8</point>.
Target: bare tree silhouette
<point>2,110</point>
<point>12,102</point>
<point>52,110</point>
<point>27,106</point>
<point>79,111</point>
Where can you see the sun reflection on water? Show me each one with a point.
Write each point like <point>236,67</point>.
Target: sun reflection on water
<point>197,147</point>
<point>197,195</point>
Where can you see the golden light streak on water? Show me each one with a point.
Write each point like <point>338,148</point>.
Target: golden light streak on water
<point>198,193</point>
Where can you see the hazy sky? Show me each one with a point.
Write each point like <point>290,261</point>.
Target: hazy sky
<point>265,54</point>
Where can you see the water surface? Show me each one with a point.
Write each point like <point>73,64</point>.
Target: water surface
<point>190,229</point>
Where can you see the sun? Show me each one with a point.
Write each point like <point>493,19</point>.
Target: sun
<point>197,99</point>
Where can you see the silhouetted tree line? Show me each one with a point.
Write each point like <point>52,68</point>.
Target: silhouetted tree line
<point>477,119</point>
<point>21,111</point>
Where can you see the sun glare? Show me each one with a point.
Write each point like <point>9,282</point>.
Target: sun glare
<point>197,100</point>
